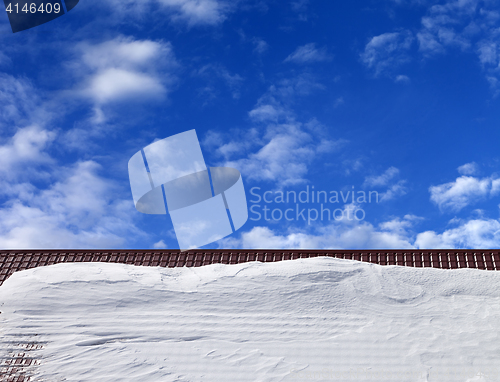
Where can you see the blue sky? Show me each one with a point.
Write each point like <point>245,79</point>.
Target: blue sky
<point>398,97</point>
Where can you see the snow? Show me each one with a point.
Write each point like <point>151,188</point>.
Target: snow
<point>312,319</point>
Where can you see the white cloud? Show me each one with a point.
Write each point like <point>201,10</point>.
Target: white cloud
<point>387,51</point>
<point>467,25</point>
<point>402,79</point>
<point>382,180</point>
<point>79,211</point>
<point>392,234</point>
<point>428,43</point>
<point>468,169</point>
<point>22,105</point>
<point>352,165</point>
<point>302,85</point>
<point>228,150</point>
<point>45,205</point>
<point>308,53</point>
<point>118,84</point>
<point>283,159</point>
<point>189,12</point>
<point>463,191</point>
<point>197,12</point>
<point>395,190</point>
<point>4,58</point>
<point>126,53</point>
<point>18,99</point>
<point>232,145</point>
<point>494,83</point>
<point>387,179</point>
<point>283,149</point>
<point>477,233</point>
<point>160,245</point>
<point>217,71</point>
<point>281,154</point>
<point>266,112</point>
<point>25,147</point>
<point>439,27</point>
<point>301,8</point>
<point>410,2</point>
<point>488,52</point>
<point>274,105</point>
<point>299,5</point>
<point>260,45</point>
<point>123,68</point>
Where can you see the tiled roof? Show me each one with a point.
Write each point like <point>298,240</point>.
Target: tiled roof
<point>15,260</point>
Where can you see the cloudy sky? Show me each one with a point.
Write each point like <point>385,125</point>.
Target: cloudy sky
<point>400,98</point>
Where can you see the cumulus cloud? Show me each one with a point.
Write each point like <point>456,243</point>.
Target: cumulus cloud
<point>123,52</point>
<point>124,68</point>
<point>394,191</point>
<point>395,233</point>
<point>307,54</point>
<point>464,191</point>
<point>267,112</point>
<point>476,233</point>
<point>385,52</point>
<point>78,211</point>
<point>45,205</point>
<point>284,156</point>
<point>18,99</point>
<point>23,105</point>
<point>26,146</point>
<point>444,26</point>
<point>160,245</point>
<point>189,12</point>
<point>387,179</point>
<point>277,148</point>
<point>428,43</point>
<point>489,55</point>
<point>402,79</point>
<point>468,169</point>
<point>118,84</point>
<point>196,12</point>
<point>383,179</point>
<point>488,52</point>
<point>275,104</point>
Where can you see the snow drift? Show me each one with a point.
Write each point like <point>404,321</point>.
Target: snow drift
<point>307,319</point>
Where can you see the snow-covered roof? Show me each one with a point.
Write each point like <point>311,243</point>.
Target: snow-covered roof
<point>308,319</point>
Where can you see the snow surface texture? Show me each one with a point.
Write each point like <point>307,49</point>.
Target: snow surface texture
<point>301,320</point>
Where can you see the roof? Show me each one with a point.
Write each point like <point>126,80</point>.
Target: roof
<point>24,352</point>
<point>17,260</point>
